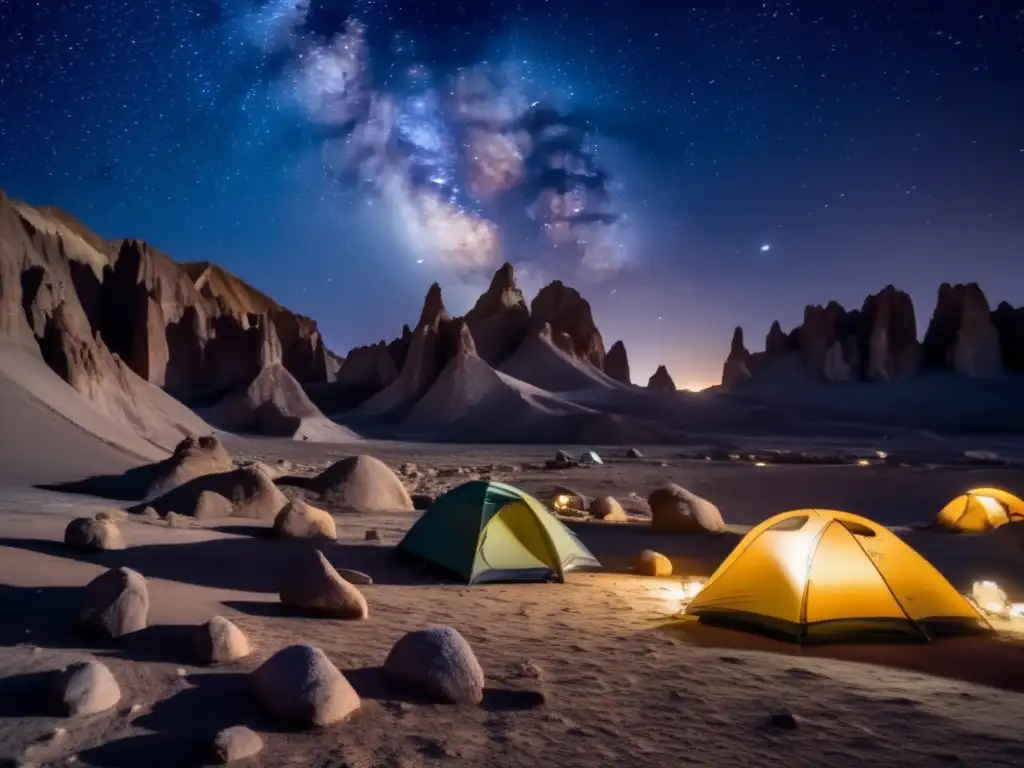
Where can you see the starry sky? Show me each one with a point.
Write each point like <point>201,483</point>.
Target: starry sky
<point>688,166</point>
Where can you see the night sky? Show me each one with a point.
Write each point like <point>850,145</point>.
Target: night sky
<point>721,163</point>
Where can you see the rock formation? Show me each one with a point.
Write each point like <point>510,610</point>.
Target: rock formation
<point>660,381</point>
<point>571,320</point>
<point>616,363</point>
<point>500,318</point>
<point>879,341</point>
<point>737,364</point>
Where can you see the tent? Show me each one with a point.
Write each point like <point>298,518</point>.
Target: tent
<point>981,509</point>
<point>590,457</point>
<point>488,531</point>
<point>822,575</point>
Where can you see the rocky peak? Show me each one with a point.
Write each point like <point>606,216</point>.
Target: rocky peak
<point>568,312</point>
<point>888,336</point>
<point>616,363</point>
<point>661,381</point>
<point>977,351</point>
<point>776,342</point>
<point>463,343</point>
<point>500,318</point>
<point>434,312</point>
<point>737,364</point>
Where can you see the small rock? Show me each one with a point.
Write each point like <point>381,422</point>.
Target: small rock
<point>212,506</point>
<point>607,508</point>
<point>219,641</point>
<point>116,603</point>
<point>299,684</point>
<point>174,520</point>
<point>439,662</point>
<point>299,520</point>
<point>93,535</point>
<point>355,577</point>
<point>236,743</point>
<point>783,720</point>
<point>633,453</point>
<point>373,535</point>
<point>651,563</point>
<point>151,513</point>
<point>408,469</point>
<point>87,688</point>
<point>110,514</point>
<point>314,585</point>
<point>422,500</point>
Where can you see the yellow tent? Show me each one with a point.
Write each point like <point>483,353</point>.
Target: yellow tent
<point>981,509</point>
<point>821,575</point>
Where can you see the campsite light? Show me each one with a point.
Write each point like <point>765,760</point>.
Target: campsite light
<point>563,501</point>
<point>1016,610</point>
<point>991,599</point>
<point>760,464</point>
<point>882,454</point>
<point>863,463</point>
<point>690,588</point>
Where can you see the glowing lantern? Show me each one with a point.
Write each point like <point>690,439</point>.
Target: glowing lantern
<point>760,464</point>
<point>563,501</point>
<point>863,463</point>
<point>991,599</point>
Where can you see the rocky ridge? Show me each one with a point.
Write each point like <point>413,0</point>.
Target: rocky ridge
<point>878,342</point>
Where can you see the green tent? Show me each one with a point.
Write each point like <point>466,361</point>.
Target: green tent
<point>488,531</point>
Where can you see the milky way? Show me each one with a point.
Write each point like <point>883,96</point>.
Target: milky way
<point>475,165</point>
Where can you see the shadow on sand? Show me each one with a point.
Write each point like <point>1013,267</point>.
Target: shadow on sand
<point>993,661</point>
<point>185,724</point>
<point>252,564</point>
<point>132,485</point>
<point>372,683</point>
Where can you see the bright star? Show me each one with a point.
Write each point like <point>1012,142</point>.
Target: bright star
<point>765,247</point>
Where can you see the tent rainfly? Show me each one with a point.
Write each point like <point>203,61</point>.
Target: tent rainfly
<point>981,509</point>
<point>488,531</point>
<point>590,458</point>
<point>814,575</point>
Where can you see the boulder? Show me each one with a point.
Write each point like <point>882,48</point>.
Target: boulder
<point>116,603</point>
<point>437,662</point>
<point>362,484</point>
<point>313,585</point>
<point>87,688</point>
<point>676,510</point>
<point>651,563</point>
<point>247,492</point>
<point>193,457</point>
<point>93,535</point>
<point>235,743</point>
<point>608,509</point>
<point>299,520</point>
<point>219,641</point>
<point>299,685</point>
<point>633,453</point>
<point>616,363</point>
<point>355,577</point>
<point>660,381</point>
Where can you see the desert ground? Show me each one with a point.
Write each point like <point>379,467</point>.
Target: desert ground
<point>592,672</point>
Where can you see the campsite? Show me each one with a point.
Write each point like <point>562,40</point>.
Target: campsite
<point>583,659</point>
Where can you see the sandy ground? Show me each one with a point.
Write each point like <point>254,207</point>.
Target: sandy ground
<point>622,683</point>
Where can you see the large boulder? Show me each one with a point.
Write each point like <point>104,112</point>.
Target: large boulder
<point>86,688</point>
<point>651,563</point>
<point>661,381</point>
<point>300,520</point>
<point>93,535</point>
<point>248,492</point>
<point>616,363</point>
<point>299,685</point>
<point>219,641</point>
<point>193,457</point>
<point>437,662</point>
<point>313,585</point>
<point>116,603</point>
<point>675,510</point>
<point>362,484</point>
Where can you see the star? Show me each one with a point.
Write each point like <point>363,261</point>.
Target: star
<point>765,248</point>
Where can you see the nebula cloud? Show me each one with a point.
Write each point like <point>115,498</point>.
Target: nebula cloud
<point>474,166</point>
